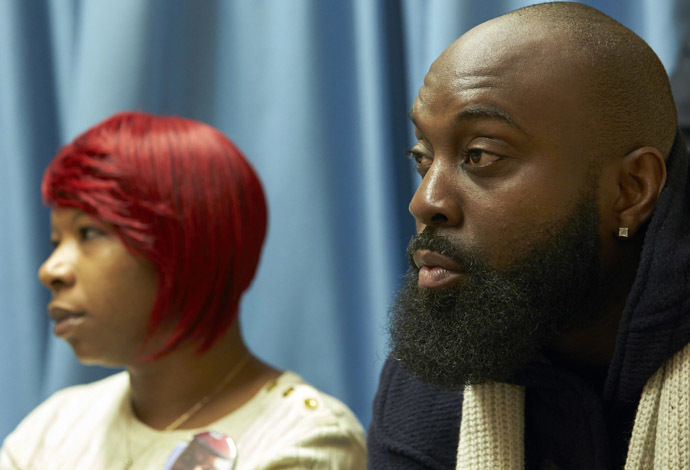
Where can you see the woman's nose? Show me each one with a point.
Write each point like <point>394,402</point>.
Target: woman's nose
<point>57,271</point>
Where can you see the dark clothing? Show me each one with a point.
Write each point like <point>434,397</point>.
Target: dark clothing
<point>574,419</point>
<point>414,425</point>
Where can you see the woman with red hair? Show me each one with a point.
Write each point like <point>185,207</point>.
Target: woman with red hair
<point>157,225</point>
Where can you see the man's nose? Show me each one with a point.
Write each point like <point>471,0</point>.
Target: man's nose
<point>57,271</point>
<point>436,201</point>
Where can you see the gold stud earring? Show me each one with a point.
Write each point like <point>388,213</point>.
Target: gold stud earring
<point>623,232</point>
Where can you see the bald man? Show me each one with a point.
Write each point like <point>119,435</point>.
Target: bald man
<point>545,319</point>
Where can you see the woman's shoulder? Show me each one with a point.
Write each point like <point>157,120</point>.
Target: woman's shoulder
<point>87,405</point>
<point>304,428</point>
<point>82,397</point>
<point>118,381</point>
<point>296,397</point>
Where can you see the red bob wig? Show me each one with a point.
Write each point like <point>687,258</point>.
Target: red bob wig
<point>180,194</point>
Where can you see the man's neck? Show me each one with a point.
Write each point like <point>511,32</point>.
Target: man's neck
<point>595,344</point>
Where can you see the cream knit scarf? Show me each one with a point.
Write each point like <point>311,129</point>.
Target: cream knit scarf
<point>492,426</point>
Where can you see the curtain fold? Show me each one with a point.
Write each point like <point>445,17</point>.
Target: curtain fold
<point>315,92</point>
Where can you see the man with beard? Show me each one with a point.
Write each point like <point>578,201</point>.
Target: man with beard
<point>545,318</point>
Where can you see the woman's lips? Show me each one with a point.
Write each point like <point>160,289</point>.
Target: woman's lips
<point>66,320</point>
<point>435,270</point>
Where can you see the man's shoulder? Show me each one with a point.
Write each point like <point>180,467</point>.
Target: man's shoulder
<point>414,425</point>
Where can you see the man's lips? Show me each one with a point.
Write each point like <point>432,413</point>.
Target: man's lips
<point>65,319</point>
<point>433,259</point>
<point>435,270</point>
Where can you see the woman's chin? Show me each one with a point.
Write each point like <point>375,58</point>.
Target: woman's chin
<point>89,357</point>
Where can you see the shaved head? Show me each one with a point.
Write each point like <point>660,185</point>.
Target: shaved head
<point>539,134</point>
<point>628,87</point>
<point>625,98</point>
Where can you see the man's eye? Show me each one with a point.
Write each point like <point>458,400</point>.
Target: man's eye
<point>422,161</point>
<point>480,158</point>
<point>414,155</point>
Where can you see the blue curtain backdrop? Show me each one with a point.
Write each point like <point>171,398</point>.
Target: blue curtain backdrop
<point>315,93</point>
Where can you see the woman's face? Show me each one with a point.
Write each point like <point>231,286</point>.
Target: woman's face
<point>102,294</point>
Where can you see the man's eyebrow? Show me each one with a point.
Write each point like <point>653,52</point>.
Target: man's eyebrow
<point>411,116</point>
<point>482,112</point>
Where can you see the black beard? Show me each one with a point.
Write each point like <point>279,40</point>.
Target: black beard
<point>492,323</point>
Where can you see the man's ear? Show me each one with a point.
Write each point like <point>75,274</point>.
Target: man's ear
<point>641,178</point>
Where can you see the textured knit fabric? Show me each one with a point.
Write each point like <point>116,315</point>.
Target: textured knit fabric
<point>287,424</point>
<point>491,431</point>
<point>572,421</point>
<point>492,427</point>
<point>661,436</point>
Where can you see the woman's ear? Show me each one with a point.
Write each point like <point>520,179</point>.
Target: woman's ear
<point>641,178</point>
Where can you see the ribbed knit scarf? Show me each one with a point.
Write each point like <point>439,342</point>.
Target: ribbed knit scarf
<point>492,425</point>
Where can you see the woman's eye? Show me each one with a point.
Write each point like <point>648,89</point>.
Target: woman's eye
<point>90,232</point>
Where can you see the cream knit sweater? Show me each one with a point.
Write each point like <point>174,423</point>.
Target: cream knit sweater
<point>492,426</point>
